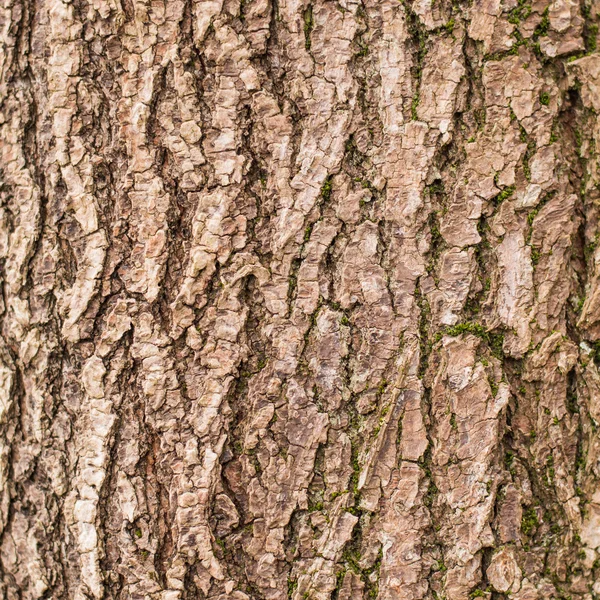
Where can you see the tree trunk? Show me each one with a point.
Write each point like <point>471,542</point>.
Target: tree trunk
<point>299,300</point>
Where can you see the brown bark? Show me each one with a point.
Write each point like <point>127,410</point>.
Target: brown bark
<point>299,299</point>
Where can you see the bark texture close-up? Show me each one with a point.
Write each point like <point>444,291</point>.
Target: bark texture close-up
<point>300,299</point>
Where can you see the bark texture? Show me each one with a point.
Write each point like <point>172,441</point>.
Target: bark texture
<point>300,299</point>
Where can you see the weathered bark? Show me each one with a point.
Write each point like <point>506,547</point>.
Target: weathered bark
<point>299,299</point>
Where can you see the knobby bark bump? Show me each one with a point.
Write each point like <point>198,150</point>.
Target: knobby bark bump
<point>300,300</point>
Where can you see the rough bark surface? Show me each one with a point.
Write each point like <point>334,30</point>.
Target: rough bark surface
<point>300,299</point>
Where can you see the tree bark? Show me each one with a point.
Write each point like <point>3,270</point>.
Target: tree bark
<point>300,300</point>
